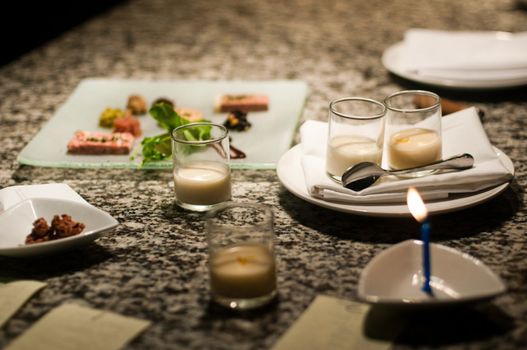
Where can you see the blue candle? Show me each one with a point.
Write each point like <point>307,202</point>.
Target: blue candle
<point>425,237</point>
<point>418,209</point>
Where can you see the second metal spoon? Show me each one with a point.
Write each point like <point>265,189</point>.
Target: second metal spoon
<point>363,175</point>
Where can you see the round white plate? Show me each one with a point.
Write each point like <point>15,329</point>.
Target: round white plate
<point>17,222</point>
<point>391,59</point>
<point>291,175</point>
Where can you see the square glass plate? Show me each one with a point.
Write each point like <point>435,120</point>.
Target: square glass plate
<point>269,137</point>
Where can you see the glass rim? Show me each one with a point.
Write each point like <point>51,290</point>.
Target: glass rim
<point>225,133</point>
<point>210,216</point>
<point>414,92</point>
<point>355,98</point>
<point>230,204</point>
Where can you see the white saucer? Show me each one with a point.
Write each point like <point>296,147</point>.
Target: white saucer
<point>16,223</point>
<point>391,59</point>
<point>394,277</point>
<point>291,175</point>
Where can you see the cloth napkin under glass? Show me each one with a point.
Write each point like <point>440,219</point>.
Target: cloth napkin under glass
<point>465,55</point>
<point>462,133</point>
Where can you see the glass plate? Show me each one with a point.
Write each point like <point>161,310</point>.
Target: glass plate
<point>269,137</point>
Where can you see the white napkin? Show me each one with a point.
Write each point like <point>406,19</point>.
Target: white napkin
<point>465,55</point>
<point>10,196</point>
<point>462,133</point>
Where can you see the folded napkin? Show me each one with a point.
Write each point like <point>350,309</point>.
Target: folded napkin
<point>465,55</point>
<point>10,196</point>
<point>331,323</point>
<point>462,133</point>
<point>71,326</point>
<point>15,294</point>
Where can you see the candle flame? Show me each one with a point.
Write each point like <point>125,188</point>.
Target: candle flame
<point>242,260</point>
<point>416,205</point>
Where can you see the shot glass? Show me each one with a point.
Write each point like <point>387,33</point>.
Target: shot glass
<point>242,265</point>
<point>200,157</point>
<point>356,131</point>
<point>413,134</point>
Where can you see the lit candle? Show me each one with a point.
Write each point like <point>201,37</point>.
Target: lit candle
<point>419,212</point>
<point>243,272</point>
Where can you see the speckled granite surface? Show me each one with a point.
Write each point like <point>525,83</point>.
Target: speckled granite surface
<point>154,264</point>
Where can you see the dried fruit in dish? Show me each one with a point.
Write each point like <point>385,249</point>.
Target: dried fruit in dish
<point>61,227</point>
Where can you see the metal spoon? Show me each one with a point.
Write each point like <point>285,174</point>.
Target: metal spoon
<point>363,175</point>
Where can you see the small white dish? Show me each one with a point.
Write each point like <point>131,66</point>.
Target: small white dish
<point>394,277</point>
<point>291,175</point>
<point>17,222</point>
<point>391,59</point>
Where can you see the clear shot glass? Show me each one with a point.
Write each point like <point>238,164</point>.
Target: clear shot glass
<point>413,129</point>
<point>200,158</point>
<point>242,264</point>
<point>355,134</point>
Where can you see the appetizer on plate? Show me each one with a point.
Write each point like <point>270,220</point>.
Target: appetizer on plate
<point>108,117</point>
<point>237,120</point>
<point>190,114</point>
<point>244,103</point>
<point>86,142</point>
<point>136,104</point>
<point>129,124</point>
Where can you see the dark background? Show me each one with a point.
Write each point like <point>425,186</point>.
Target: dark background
<point>25,25</point>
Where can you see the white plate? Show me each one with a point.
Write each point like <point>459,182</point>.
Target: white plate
<point>394,277</point>
<point>16,223</point>
<point>269,137</point>
<point>291,175</point>
<point>391,59</point>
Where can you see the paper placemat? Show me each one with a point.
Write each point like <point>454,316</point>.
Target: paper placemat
<point>15,294</point>
<point>73,326</point>
<point>330,323</point>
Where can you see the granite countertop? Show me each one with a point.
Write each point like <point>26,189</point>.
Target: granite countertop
<point>154,265</point>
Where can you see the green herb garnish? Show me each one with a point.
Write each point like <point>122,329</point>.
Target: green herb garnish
<point>159,147</point>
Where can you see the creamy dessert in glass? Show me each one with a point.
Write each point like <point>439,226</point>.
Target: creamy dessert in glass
<point>202,176</point>
<point>355,134</point>
<point>413,133</point>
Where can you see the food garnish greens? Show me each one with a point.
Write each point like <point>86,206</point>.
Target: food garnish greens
<point>159,147</point>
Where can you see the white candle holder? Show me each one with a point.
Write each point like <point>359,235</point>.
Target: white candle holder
<point>242,265</point>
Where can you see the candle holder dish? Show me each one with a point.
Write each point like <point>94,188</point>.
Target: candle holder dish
<point>394,277</point>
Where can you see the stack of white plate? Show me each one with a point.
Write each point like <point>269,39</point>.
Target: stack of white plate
<point>472,60</point>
